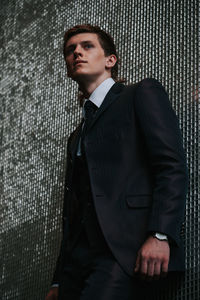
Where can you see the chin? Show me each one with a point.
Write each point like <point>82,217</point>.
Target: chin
<point>81,75</point>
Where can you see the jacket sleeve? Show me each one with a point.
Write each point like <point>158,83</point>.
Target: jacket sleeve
<point>160,129</point>
<point>59,262</point>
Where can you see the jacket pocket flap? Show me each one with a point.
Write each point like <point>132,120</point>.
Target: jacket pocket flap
<point>139,200</point>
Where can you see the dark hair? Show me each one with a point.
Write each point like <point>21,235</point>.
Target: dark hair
<point>105,40</point>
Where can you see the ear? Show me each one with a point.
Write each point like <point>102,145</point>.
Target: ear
<point>110,61</point>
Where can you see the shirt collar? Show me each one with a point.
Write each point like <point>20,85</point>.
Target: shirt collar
<point>100,92</point>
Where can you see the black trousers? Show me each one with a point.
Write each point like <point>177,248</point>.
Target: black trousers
<point>93,274</point>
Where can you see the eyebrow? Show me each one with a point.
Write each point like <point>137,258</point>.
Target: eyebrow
<point>83,42</point>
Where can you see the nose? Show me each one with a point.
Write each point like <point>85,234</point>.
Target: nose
<point>77,51</point>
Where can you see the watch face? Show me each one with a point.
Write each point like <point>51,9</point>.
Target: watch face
<point>160,236</point>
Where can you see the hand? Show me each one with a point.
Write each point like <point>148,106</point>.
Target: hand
<point>153,259</point>
<point>52,294</point>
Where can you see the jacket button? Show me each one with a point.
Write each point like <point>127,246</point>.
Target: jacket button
<point>67,188</point>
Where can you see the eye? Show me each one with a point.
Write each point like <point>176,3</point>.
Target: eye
<point>88,45</point>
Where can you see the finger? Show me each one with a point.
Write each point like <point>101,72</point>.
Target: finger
<point>157,270</point>
<point>143,267</point>
<point>137,264</point>
<point>164,268</point>
<point>150,269</point>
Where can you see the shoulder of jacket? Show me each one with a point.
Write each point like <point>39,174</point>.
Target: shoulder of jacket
<point>71,134</point>
<point>146,82</point>
<point>74,132</point>
<point>149,82</point>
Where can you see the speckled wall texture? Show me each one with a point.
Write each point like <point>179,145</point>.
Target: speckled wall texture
<point>39,109</point>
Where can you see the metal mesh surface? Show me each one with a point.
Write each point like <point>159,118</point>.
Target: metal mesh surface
<point>39,109</point>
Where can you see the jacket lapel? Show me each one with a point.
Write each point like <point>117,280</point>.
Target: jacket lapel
<point>111,96</point>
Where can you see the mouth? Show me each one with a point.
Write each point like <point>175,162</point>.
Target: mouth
<point>79,62</point>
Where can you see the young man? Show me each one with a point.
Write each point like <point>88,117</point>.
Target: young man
<point>126,181</point>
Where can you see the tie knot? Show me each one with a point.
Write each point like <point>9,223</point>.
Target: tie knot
<point>89,108</point>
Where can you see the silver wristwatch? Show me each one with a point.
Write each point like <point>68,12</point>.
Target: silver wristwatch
<point>160,236</point>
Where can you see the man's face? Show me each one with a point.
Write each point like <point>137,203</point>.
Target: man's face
<point>85,47</point>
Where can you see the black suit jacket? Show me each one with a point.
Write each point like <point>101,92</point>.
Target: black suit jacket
<point>137,170</point>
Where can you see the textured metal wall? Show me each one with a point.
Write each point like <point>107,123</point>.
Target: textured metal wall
<point>38,110</point>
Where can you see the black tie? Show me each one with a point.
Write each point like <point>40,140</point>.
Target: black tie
<point>89,108</point>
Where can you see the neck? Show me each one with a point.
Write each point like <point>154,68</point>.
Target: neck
<point>87,87</point>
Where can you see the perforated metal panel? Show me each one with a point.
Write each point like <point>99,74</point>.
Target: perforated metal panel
<point>39,109</point>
